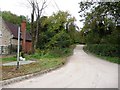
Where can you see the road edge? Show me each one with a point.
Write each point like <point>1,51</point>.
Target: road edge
<point>21,78</point>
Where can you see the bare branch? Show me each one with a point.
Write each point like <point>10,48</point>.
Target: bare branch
<point>43,7</point>
<point>36,10</point>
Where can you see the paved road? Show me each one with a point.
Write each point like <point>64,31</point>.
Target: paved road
<point>82,71</point>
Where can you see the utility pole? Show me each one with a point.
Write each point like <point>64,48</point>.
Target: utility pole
<point>18,48</point>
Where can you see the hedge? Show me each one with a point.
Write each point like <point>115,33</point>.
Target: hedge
<point>104,49</point>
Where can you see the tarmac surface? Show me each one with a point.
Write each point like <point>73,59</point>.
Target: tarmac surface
<point>81,71</point>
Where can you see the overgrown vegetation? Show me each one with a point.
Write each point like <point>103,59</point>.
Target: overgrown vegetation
<point>41,64</point>
<point>44,60</point>
<point>101,31</point>
<point>55,53</point>
<point>101,23</point>
<point>13,18</point>
<point>105,51</point>
<point>57,35</point>
<point>57,31</point>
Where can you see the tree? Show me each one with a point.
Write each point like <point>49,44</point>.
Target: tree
<point>100,20</point>
<point>54,33</point>
<point>99,8</point>
<point>15,19</point>
<point>36,10</point>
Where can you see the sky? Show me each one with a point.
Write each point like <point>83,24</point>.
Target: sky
<point>22,7</point>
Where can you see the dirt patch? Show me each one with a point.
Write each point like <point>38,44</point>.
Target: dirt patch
<point>11,71</point>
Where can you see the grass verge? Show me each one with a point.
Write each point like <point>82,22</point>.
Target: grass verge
<point>8,59</point>
<point>43,62</point>
<point>113,59</point>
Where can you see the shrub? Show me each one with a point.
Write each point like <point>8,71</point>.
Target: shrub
<point>104,49</point>
<point>51,53</point>
<point>58,52</point>
<point>113,38</point>
<point>92,38</point>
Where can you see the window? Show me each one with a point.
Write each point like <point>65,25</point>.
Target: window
<point>0,33</point>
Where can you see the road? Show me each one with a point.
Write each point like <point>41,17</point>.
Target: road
<point>81,71</point>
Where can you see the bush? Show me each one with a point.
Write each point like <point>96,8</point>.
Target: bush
<point>92,38</point>
<point>104,49</point>
<point>113,38</point>
<point>59,40</point>
<point>51,53</point>
<point>58,52</point>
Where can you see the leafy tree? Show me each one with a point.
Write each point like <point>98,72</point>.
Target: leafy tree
<point>36,10</point>
<point>55,31</point>
<point>15,19</point>
<point>100,8</point>
<point>10,17</point>
<point>100,19</point>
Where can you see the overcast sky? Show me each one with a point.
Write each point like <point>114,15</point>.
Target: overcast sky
<point>21,7</point>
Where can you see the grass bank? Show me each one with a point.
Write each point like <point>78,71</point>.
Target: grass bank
<point>44,60</point>
<point>8,59</point>
<point>104,51</point>
<point>41,64</point>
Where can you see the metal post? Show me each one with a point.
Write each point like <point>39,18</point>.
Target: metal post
<point>18,48</point>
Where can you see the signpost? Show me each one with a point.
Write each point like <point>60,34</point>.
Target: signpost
<point>18,48</point>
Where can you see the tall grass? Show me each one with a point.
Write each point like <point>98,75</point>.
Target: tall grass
<point>54,53</point>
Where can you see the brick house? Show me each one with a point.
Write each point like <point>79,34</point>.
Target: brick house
<point>9,38</point>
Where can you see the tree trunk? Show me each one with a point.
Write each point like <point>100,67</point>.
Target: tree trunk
<point>32,28</point>
<point>35,31</point>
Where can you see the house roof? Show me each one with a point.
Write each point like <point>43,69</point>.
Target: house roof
<point>14,30</point>
<point>28,36</point>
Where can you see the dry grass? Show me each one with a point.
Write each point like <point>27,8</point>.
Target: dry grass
<point>42,64</point>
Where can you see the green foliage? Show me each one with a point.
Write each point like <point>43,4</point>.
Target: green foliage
<point>9,59</point>
<point>92,38</point>
<point>56,31</point>
<point>100,8</point>
<point>15,19</point>
<point>111,59</point>
<point>100,32</point>
<point>113,38</point>
<point>57,52</point>
<point>104,49</point>
<point>10,17</point>
<point>61,40</point>
<point>51,53</point>
<point>98,26</point>
<point>39,65</point>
